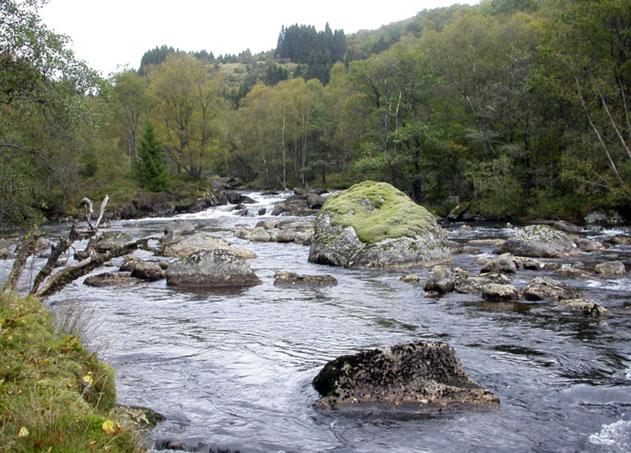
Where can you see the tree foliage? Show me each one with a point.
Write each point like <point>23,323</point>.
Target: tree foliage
<point>518,108</point>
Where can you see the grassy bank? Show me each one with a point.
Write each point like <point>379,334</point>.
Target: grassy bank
<point>55,396</point>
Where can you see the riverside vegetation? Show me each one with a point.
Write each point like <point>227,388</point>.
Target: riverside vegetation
<point>54,394</point>
<point>510,108</point>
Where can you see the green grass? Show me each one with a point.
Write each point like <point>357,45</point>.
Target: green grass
<point>44,387</point>
<point>378,211</point>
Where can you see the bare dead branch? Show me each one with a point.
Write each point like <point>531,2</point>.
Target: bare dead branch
<point>89,210</point>
<point>69,274</point>
<point>614,125</point>
<point>597,132</point>
<point>101,212</point>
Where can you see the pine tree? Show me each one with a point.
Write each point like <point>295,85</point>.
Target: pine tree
<point>151,169</point>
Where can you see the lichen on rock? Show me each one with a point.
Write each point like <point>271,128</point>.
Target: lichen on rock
<point>411,379</point>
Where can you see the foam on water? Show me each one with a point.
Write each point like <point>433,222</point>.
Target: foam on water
<point>617,434</point>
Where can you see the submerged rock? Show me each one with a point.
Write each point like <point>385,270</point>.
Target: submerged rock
<point>543,288</point>
<point>610,269</point>
<point>539,241</point>
<point>587,307</point>
<point>372,224</point>
<point>218,268</point>
<point>440,280</point>
<point>408,379</point>
<point>293,279</point>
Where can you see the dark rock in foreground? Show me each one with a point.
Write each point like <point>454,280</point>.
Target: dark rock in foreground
<point>408,379</point>
<point>217,268</point>
<point>293,279</point>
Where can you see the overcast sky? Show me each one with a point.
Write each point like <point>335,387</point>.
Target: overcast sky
<point>110,34</point>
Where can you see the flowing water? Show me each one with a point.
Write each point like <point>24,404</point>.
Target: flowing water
<point>234,370</point>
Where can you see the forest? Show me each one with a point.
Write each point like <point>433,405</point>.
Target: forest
<point>518,109</point>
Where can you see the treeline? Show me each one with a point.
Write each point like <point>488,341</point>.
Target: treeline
<point>159,54</point>
<point>516,108</point>
<point>316,51</point>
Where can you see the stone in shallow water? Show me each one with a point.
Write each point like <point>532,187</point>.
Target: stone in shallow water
<point>610,269</point>
<point>495,291</point>
<point>410,278</point>
<point>539,241</point>
<point>440,280</point>
<point>408,379</point>
<point>115,279</point>
<point>543,288</point>
<point>586,306</point>
<point>147,271</point>
<point>293,279</point>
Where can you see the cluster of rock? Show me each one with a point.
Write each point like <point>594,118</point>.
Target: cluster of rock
<point>494,284</point>
<point>300,232</point>
<point>301,203</point>
<point>223,191</point>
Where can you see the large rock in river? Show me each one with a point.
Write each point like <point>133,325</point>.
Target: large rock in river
<point>217,268</point>
<point>411,379</point>
<point>539,241</point>
<point>372,224</point>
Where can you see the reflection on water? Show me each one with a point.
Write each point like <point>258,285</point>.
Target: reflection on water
<point>234,370</point>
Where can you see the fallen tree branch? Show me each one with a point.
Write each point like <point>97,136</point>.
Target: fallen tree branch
<point>71,273</point>
<point>56,252</point>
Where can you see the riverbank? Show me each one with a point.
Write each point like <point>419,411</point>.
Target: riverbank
<point>54,394</point>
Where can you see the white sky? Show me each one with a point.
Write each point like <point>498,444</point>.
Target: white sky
<point>110,34</point>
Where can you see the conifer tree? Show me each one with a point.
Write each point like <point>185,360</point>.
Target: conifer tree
<point>151,169</point>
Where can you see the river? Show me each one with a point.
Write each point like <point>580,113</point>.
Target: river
<point>234,370</point>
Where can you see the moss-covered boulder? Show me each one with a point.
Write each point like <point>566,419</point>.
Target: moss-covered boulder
<point>372,224</point>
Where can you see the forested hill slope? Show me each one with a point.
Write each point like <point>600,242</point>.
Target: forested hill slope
<point>513,108</point>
